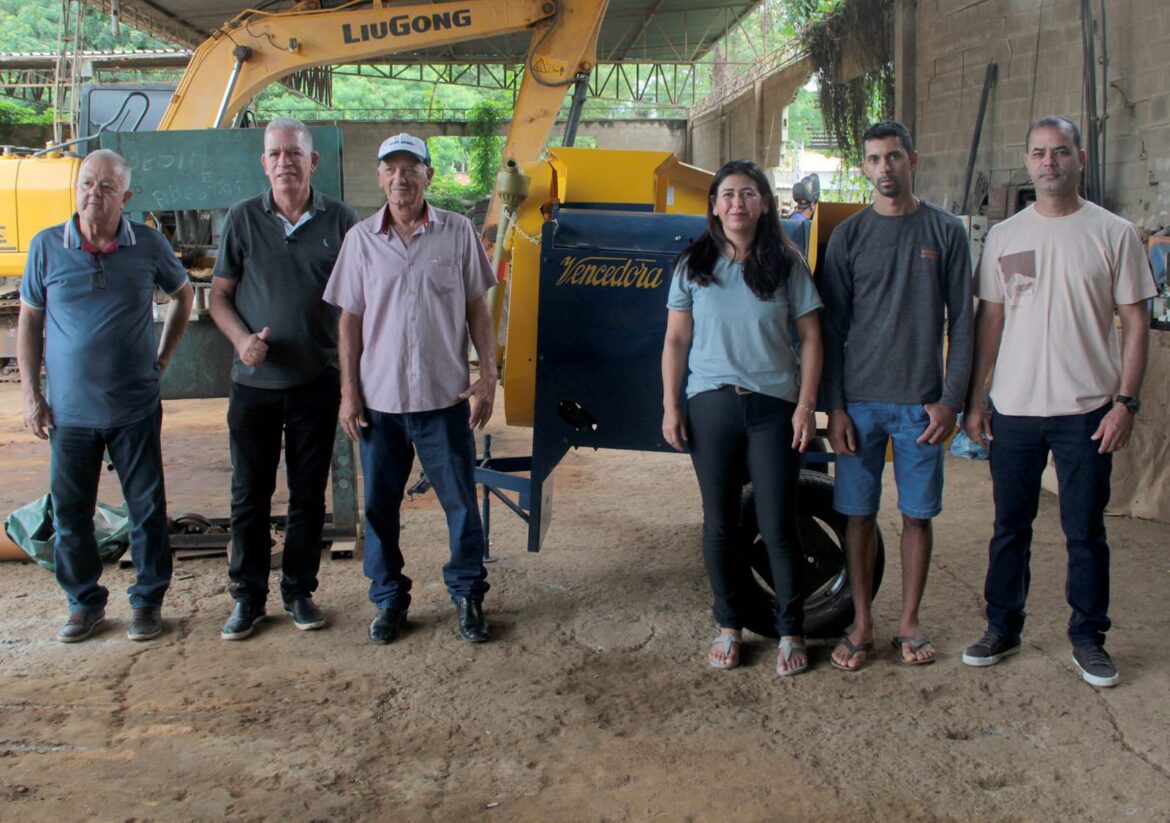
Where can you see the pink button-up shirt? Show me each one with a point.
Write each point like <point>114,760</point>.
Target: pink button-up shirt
<point>413,304</point>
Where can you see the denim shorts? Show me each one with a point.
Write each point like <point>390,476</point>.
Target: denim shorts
<point>918,467</point>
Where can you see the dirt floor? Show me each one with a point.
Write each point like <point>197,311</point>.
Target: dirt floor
<point>593,703</point>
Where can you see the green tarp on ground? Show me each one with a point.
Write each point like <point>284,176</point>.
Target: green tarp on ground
<point>31,528</point>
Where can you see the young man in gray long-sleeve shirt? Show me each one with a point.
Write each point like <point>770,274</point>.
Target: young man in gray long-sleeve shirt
<point>897,276</point>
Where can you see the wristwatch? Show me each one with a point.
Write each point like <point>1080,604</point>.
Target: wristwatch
<point>1132,404</point>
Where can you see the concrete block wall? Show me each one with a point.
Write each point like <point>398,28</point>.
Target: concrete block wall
<point>707,140</point>
<point>1037,46</point>
<point>777,93</point>
<point>748,126</point>
<point>740,121</point>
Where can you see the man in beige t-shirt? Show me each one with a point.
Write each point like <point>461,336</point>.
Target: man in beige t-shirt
<point>1049,281</point>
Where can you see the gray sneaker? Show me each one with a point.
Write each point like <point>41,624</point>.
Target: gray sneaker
<point>145,623</point>
<point>80,625</point>
<point>990,649</point>
<point>1096,666</point>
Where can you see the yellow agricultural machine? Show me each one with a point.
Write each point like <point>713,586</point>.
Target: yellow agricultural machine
<point>589,243</point>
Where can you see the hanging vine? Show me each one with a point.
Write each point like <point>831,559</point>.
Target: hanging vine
<point>849,107</point>
<point>485,119</point>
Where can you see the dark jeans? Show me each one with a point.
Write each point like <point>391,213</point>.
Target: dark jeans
<point>307,417</point>
<point>75,469</point>
<point>728,432</point>
<point>1019,454</point>
<point>446,450</point>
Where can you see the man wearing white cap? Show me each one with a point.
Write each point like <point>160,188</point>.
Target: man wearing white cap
<point>411,282</point>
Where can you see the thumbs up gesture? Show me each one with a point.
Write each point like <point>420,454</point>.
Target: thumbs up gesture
<point>253,349</point>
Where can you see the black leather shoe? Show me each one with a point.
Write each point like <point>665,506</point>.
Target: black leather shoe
<point>80,625</point>
<point>305,614</point>
<point>244,618</point>
<point>145,623</point>
<point>472,625</point>
<point>387,626</point>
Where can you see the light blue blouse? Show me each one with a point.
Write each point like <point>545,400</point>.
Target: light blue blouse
<point>739,338</point>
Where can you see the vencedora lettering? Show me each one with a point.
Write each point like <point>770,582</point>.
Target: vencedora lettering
<point>403,24</point>
<point>612,272</point>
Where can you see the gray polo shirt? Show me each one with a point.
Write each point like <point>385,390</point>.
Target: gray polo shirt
<point>280,278</point>
<point>100,347</point>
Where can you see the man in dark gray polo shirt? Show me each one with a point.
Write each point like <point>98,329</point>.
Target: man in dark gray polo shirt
<point>897,278</point>
<point>275,256</point>
<point>87,312</point>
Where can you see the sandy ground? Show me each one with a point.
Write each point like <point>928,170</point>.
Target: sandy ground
<point>593,703</point>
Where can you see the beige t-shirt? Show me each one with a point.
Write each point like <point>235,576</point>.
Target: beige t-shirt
<point>1059,279</point>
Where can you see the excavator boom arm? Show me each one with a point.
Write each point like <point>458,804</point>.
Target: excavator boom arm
<point>258,48</point>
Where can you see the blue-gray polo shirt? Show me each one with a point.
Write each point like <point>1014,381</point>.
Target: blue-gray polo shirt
<point>100,346</point>
<point>280,276</point>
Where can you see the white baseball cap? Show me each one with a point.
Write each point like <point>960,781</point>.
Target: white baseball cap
<point>405,142</point>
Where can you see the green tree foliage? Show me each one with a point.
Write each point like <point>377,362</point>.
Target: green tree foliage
<point>448,156</point>
<point>804,118</point>
<point>13,113</point>
<point>31,25</point>
<point>486,146</point>
<point>447,193</point>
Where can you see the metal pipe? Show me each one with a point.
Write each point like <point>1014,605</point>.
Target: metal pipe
<point>101,128</point>
<point>1089,98</point>
<point>988,82</point>
<point>1104,97</point>
<point>579,91</point>
<point>242,54</point>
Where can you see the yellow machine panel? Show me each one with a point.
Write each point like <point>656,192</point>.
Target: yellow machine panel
<point>826,218</point>
<point>572,175</point>
<point>35,192</point>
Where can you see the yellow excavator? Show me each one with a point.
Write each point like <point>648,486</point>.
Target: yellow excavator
<point>258,48</point>
<point>590,238</point>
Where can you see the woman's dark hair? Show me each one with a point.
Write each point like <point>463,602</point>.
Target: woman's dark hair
<point>771,255</point>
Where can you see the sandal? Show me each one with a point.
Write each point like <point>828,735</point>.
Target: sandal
<point>787,647</point>
<point>729,643</point>
<point>916,645</point>
<point>854,649</point>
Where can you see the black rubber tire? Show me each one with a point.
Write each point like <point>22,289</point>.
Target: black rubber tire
<point>828,606</point>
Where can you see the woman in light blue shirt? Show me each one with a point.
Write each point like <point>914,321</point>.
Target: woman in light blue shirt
<point>736,292</point>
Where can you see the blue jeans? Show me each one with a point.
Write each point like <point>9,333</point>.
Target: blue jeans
<point>729,434</point>
<point>918,467</point>
<point>307,417</point>
<point>74,471</point>
<point>1019,454</point>
<point>446,450</point>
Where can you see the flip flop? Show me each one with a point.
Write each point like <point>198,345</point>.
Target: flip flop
<point>854,649</point>
<point>915,645</point>
<point>726,641</point>
<point>787,647</point>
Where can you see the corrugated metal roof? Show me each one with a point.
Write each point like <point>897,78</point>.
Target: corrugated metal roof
<point>650,31</point>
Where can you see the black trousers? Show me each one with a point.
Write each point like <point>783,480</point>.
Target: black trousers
<point>729,432</point>
<point>306,416</point>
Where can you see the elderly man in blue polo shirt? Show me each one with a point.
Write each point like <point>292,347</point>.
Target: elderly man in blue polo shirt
<point>87,312</point>
<point>410,282</point>
<point>275,257</point>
